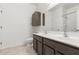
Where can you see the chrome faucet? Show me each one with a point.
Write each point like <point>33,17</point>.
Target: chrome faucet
<point>65,34</point>
<point>45,31</point>
<point>65,30</point>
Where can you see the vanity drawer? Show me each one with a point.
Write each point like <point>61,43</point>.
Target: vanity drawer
<point>65,49</point>
<point>37,38</point>
<point>49,42</point>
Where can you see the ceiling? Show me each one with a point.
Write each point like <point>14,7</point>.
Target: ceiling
<point>69,5</point>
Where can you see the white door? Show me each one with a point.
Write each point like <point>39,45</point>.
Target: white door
<point>16,23</point>
<point>1,27</point>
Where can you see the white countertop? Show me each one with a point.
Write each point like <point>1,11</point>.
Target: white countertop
<point>74,41</point>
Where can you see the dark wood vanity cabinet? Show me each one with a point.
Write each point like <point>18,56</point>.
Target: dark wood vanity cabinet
<point>66,49</point>
<point>47,50</point>
<point>39,48</point>
<point>58,53</point>
<point>34,44</point>
<point>45,46</point>
<point>37,44</point>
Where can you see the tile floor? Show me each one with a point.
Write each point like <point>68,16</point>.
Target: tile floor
<point>20,50</point>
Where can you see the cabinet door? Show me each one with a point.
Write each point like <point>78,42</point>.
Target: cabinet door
<point>49,42</point>
<point>48,51</point>
<point>34,44</point>
<point>39,48</point>
<point>58,53</point>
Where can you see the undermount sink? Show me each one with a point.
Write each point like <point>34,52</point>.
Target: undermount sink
<point>41,33</point>
<point>59,35</point>
<point>51,34</point>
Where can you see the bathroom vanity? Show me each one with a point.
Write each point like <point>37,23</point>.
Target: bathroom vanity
<point>46,45</point>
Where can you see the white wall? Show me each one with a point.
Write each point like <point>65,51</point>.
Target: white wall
<point>16,22</point>
<point>77,19</point>
<point>48,21</point>
<point>43,7</point>
<point>72,9</point>
<point>57,18</point>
